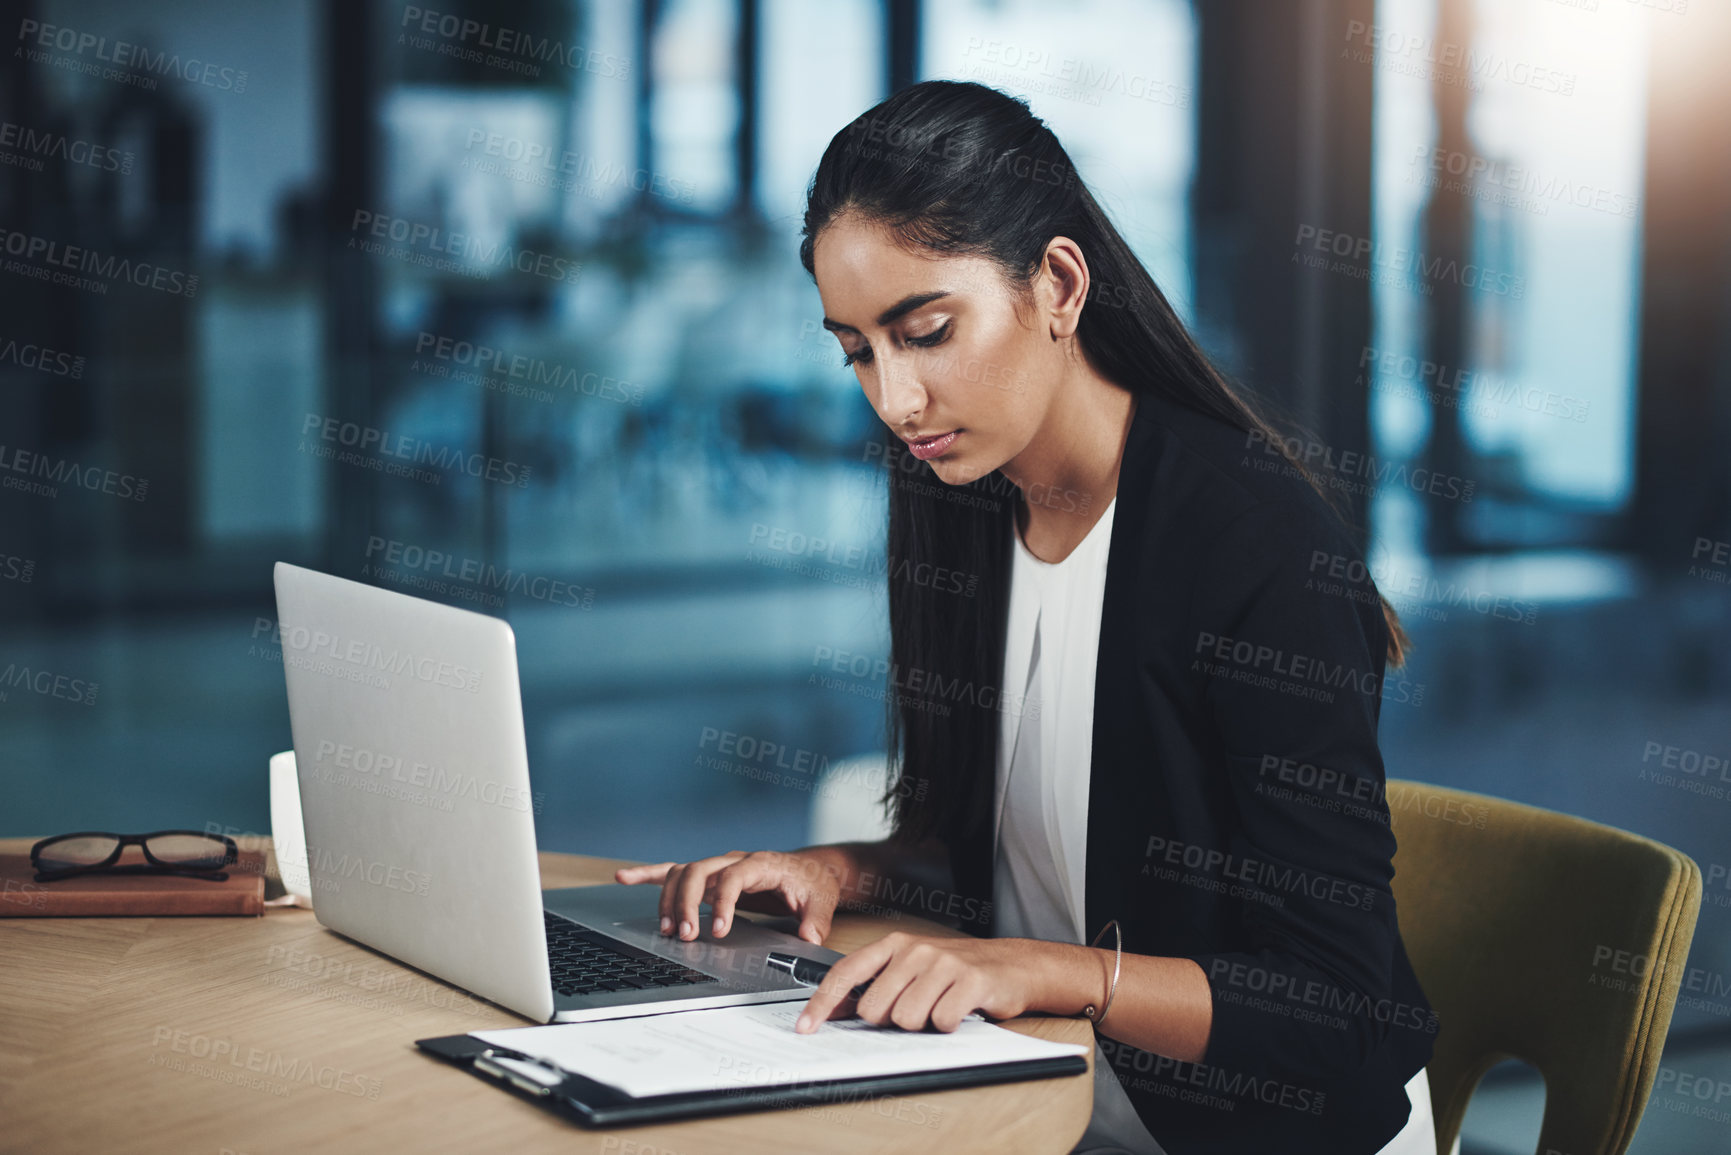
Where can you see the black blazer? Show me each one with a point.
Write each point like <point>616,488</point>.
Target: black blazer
<point>1236,809</point>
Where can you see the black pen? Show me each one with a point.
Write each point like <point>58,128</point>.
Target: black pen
<point>807,971</point>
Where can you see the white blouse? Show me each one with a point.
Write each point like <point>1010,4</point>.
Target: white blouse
<point>1050,647</point>
<point>1044,755</point>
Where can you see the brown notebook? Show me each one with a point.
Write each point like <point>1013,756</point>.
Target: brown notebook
<point>137,895</point>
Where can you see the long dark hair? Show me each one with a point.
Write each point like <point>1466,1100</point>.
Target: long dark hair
<point>958,167</point>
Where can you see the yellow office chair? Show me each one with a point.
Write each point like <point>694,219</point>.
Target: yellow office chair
<point>1545,938</point>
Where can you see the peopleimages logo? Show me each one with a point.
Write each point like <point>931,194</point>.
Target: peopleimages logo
<point>47,684</point>
<point>27,355</point>
<point>804,546</point>
<point>531,162</point>
<point>895,142</point>
<point>415,775</point>
<point>487,360</point>
<point>471,254</point>
<point>324,864</point>
<point>1305,999</point>
<point>1463,388</point>
<point>514,50</point>
<point>1261,878</point>
<point>1393,48</point>
<point>1238,660</point>
<point>1710,560</point>
<point>1698,772</point>
<point>91,477</point>
<point>924,689</point>
<point>1496,180</point>
<point>26,147</point>
<point>62,264</point>
<point>1205,1085</point>
<point>269,1064</point>
<point>367,656</point>
<point>1074,76</point>
<point>1349,251</point>
<point>1354,470</point>
<point>422,568</point>
<point>365,439</point>
<point>297,969</point>
<point>1344,575</point>
<point>134,57</point>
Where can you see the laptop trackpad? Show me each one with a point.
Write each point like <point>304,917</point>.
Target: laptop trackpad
<point>742,933</point>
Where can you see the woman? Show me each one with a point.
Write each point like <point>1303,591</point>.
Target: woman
<point>1158,714</point>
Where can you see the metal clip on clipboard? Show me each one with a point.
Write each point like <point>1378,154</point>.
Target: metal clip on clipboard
<point>536,1076</point>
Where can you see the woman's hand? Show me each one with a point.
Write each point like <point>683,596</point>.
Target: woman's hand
<point>936,981</point>
<point>767,881</point>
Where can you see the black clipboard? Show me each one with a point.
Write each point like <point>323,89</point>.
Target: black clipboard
<point>594,1104</point>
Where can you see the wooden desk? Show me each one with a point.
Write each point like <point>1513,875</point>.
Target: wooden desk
<point>253,1035</point>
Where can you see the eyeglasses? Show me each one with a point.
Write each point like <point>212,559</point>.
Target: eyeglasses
<point>186,853</point>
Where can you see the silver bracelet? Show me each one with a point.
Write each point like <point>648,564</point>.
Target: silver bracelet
<point>1117,964</point>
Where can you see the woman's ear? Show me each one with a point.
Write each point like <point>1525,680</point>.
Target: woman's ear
<point>1066,271</point>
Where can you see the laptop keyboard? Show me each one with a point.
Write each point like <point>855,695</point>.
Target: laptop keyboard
<point>584,962</point>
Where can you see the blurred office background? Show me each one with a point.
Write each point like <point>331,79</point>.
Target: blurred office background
<point>1527,196</point>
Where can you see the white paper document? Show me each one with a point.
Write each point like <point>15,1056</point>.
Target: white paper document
<point>755,1046</point>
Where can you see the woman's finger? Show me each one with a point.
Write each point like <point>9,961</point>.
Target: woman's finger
<point>954,1005</point>
<point>837,986</point>
<point>913,1007</point>
<point>906,965</point>
<point>814,924</point>
<point>648,872</point>
<point>726,885</point>
<point>669,889</point>
<point>688,895</point>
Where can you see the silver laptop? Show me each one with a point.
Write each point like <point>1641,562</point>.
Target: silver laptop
<point>414,781</point>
